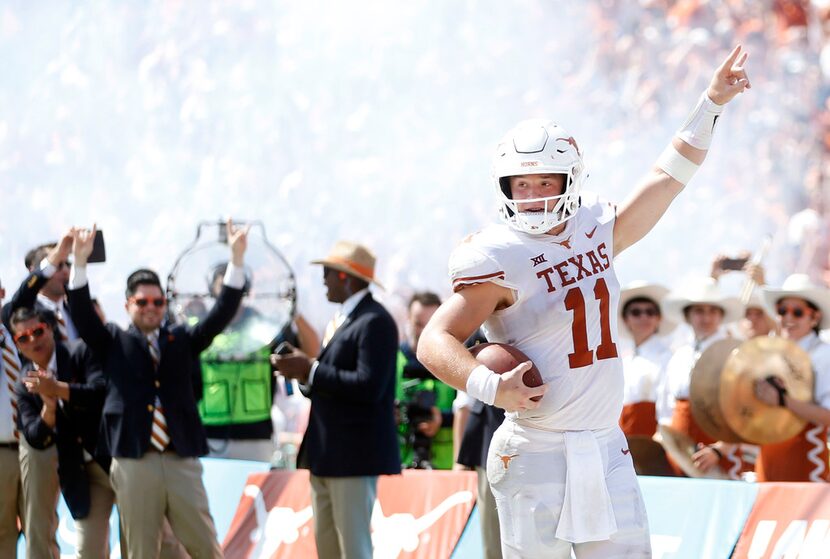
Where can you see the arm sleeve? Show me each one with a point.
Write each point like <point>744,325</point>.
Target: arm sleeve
<point>26,294</point>
<point>29,422</point>
<point>87,321</point>
<point>87,395</point>
<point>217,319</point>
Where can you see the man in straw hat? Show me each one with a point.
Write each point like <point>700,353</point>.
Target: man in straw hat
<point>704,307</point>
<point>644,364</point>
<point>545,283</point>
<point>802,308</point>
<point>351,436</point>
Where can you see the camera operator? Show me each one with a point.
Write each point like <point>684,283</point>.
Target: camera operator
<point>424,402</point>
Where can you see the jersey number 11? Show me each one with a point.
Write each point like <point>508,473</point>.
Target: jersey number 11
<point>582,356</point>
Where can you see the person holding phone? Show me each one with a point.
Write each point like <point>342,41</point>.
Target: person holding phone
<point>351,436</point>
<point>151,424</point>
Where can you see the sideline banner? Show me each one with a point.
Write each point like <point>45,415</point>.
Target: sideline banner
<point>788,520</point>
<point>419,515</point>
<point>694,518</point>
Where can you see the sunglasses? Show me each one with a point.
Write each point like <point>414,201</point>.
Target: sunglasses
<point>142,302</point>
<point>31,334</point>
<point>797,312</point>
<point>637,312</point>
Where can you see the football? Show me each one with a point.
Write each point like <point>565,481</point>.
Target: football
<point>501,358</point>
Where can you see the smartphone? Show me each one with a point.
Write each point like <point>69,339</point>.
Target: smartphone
<point>284,349</point>
<point>99,252</point>
<point>733,263</point>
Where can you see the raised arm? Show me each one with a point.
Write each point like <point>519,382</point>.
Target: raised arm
<point>441,349</point>
<point>229,299</point>
<point>26,294</point>
<point>687,150</point>
<point>86,320</point>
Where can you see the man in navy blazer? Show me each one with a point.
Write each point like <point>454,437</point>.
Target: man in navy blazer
<point>351,436</point>
<point>60,394</point>
<point>43,289</point>
<point>151,424</point>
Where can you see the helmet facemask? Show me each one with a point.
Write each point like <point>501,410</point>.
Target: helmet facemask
<point>537,147</point>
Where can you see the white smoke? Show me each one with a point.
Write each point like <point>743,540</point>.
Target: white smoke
<point>371,121</point>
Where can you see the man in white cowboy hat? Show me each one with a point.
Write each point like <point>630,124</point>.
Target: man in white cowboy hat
<point>544,282</point>
<point>703,306</point>
<point>802,308</point>
<point>351,436</point>
<point>644,361</point>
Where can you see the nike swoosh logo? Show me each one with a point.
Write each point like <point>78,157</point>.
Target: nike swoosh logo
<point>591,234</point>
<point>626,451</point>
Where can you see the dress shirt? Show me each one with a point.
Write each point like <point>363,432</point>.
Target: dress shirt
<point>56,307</point>
<point>679,373</point>
<point>346,309</point>
<point>6,422</point>
<point>819,352</point>
<point>644,368</point>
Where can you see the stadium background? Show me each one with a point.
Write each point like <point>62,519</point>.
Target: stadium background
<point>375,121</point>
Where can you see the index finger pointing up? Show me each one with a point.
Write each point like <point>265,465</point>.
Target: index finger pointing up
<point>727,64</point>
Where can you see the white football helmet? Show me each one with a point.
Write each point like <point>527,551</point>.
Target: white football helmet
<point>538,147</point>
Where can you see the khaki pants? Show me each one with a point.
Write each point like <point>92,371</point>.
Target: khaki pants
<point>160,485</point>
<point>39,476</point>
<point>488,517</point>
<point>11,501</point>
<point>342,516</point>
<point>93,531</point>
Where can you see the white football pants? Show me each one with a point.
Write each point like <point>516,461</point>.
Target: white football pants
<point>527,471</point>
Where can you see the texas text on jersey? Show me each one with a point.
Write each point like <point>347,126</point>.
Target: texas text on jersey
<point>564,317</point>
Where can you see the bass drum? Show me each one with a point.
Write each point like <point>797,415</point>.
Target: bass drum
<point>270,288</point>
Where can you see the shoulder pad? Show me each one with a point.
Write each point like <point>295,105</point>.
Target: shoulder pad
<point>471,263</point>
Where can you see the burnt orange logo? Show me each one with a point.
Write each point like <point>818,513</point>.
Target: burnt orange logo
<point>591,234</point>
<point>506,459</point>
<point>565,244</point>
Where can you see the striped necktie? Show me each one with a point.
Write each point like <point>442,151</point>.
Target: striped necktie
<point>64,332</point>
<point>11,368</point>
<point>159,436</point>
<point>332,327</point>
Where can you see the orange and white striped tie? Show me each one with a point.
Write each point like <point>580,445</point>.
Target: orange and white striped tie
<point>11,368</point>
<point>61,325</point>
<point>159,436</point>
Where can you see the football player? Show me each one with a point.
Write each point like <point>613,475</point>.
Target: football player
<point>544,282</point>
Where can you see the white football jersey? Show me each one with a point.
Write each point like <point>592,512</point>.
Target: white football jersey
<point>565,315</point>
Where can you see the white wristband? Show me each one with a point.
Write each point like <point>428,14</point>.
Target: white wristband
<point>676,165</point>
<point>698,128</point>
<point>482,384</point>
